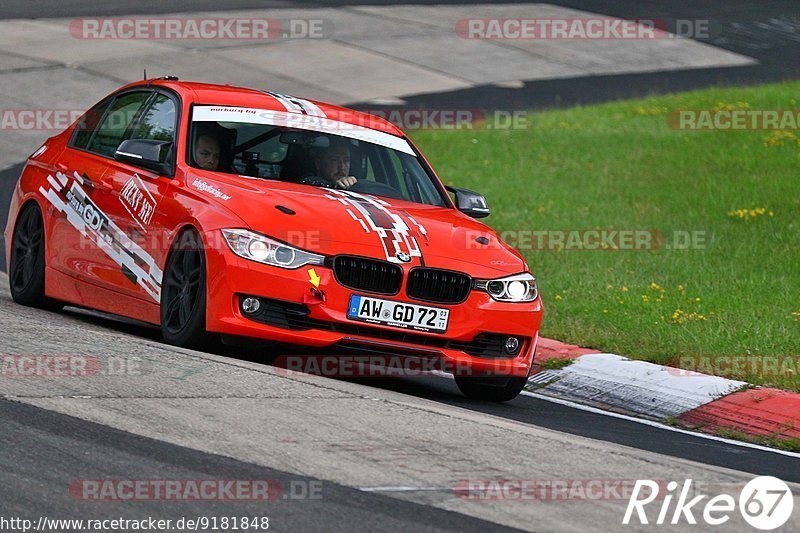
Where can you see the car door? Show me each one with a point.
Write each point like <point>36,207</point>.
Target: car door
<point>84,234</point>
<point>136,202</point>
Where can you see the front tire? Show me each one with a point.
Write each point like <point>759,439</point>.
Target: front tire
<point>26,273</point>
<point>491,389</point>
<point>183,294</point>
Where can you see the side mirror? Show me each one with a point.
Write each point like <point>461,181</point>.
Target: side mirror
<point>469,202</point>
<point>144,153</point>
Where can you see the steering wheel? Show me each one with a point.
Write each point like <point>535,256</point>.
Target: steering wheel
<point>377,188</point>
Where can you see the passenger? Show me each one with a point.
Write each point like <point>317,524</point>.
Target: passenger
<point>207,152</point>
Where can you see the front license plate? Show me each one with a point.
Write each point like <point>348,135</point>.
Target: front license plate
<point>397,314</point>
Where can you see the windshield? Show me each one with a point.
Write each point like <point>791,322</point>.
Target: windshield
<point>308,150</point>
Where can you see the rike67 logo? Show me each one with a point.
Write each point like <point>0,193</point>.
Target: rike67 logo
<point>765,503</point>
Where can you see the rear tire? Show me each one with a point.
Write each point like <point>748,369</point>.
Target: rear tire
<point>491,389</point>
<point>26,273</point>
<point>183,293</point>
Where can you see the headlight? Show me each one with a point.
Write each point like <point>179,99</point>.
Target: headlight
<point>262,249</point>
<point>516,288</point>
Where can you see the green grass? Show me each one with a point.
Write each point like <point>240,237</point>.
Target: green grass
<point>620,166</point>
<point>774,441</point>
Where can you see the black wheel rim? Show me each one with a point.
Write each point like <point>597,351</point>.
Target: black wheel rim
<point>182,289</point>
<point>25,249</point>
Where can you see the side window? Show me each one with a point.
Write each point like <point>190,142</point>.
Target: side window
<point>385,167</point>
<point>374,167</point>
<point>158,123</point>
<point>370,171</point>
<point>88,123</point>
<point>119,117</point>
<point>419,185</point>
<point>400,174</point>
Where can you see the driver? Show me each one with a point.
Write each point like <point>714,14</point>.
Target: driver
<point>333,167</point>
<point>207,152</point>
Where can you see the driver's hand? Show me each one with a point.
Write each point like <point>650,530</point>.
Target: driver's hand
<point>346,182</point>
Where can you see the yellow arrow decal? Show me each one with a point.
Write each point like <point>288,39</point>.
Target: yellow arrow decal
<point>313,278</point>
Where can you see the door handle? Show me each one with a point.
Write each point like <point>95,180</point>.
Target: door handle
<point>99,184</point>
<point>103,184</point>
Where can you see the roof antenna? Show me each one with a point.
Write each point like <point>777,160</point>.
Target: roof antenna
<point>145,74</point>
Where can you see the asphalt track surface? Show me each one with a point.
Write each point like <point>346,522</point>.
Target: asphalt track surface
<point>8,178</point>
<point>778,56</point>
<point>525,409</point>
<point>239,418</point>
<point>76,8</point>
<point>536,412</point>
<point>767,30</point>
<point>68,448</point>
<point>71,447</point>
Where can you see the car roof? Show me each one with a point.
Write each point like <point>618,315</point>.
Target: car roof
<point>229,95</point>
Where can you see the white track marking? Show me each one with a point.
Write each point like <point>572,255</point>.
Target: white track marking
<point>404,489</point>
<point>640,387</point>
<point>643,421</point>
<point>659,425</point>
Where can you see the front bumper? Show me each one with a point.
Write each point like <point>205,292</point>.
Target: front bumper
<point>318,318</point>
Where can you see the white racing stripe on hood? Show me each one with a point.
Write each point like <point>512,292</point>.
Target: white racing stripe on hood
<point>374,214</point>
<point>298,105</point>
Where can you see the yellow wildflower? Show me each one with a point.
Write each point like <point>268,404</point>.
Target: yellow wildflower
<point>779,138</point>
<point>747,214</point>
<point>650,111</point>
<point>681,317</point>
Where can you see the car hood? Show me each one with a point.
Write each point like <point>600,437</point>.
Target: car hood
<point>334,222</point>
